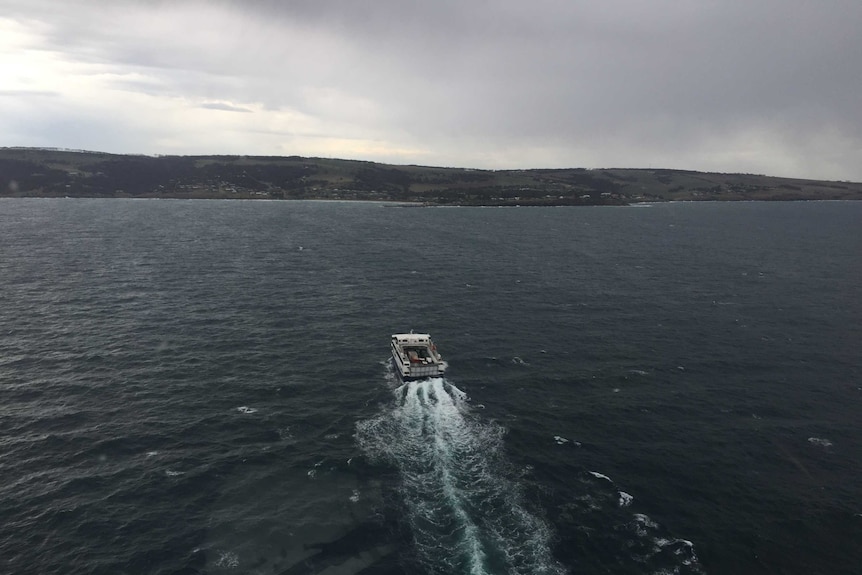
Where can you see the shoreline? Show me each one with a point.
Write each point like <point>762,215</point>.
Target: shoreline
<point>58,173</point>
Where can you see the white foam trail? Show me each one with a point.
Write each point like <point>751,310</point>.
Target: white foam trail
<point>465,514</point>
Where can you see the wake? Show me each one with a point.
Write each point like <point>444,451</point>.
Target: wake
<point>466,516</point>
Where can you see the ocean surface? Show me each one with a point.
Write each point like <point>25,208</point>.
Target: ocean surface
<point>192,387</point>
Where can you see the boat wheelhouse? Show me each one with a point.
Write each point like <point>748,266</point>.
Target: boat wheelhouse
<point>415,356</point>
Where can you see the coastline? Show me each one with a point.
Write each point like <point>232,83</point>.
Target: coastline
<point>44,173</point>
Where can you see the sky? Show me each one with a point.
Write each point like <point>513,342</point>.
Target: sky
<point>753,86</point>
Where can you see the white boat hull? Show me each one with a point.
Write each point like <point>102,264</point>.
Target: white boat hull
<point>414,356</point>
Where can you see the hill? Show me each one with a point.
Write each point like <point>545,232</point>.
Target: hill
<point>39,172</point>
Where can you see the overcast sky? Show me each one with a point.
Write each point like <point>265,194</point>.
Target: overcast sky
<point>762,86</point>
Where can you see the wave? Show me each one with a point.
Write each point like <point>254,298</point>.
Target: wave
<point>643,543</point>
<point>465,514</point>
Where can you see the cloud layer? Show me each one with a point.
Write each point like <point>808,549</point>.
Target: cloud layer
<point>764,86</point>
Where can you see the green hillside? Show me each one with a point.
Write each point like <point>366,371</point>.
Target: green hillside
<point>37,172</point>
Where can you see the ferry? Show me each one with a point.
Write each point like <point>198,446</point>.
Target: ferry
<point>415,356</point>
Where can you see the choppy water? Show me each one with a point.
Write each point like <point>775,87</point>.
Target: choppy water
<point>201,387</point>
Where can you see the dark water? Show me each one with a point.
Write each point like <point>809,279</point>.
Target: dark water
<point>201,387</point>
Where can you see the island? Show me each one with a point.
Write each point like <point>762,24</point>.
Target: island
<point>48,172</point>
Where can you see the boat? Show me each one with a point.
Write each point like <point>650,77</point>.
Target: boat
<point>415,356</point>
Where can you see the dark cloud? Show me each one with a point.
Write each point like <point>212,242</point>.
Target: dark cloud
<point>224,107</point>
<point>761,85</point>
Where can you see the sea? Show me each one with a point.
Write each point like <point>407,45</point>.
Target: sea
<point>204,387</point>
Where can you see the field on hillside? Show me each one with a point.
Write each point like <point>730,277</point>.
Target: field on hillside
<point>32,172</point>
